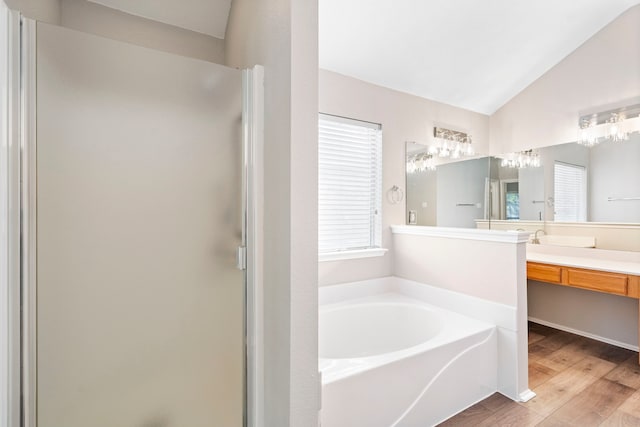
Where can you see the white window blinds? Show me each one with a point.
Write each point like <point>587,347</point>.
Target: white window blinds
<point>570,192</point>
<point>349,184</point>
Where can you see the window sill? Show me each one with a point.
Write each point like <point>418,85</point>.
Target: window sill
<point>353,254</point>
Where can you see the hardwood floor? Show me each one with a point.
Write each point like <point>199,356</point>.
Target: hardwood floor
<point>578,382</point>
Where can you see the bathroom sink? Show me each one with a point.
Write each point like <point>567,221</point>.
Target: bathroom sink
<point>573,241</point>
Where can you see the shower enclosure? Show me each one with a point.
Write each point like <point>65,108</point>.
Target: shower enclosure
<point>136,196</point>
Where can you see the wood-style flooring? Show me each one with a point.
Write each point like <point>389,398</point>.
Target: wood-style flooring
<point>578,382</point>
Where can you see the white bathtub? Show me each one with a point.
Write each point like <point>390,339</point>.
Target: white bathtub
<point>388,359</point>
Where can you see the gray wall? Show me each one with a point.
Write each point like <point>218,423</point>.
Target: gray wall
<point>608,316</point>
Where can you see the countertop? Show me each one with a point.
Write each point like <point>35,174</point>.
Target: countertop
<point>595,259</point>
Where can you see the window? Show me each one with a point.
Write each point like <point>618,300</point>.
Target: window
<point>349,188</point>
<point>570,192</point>
<point>512,201</point>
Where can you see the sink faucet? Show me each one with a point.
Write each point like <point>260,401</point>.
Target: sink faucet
<point>535,240</point>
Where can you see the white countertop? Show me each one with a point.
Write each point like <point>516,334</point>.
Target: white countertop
<point>594,259</point>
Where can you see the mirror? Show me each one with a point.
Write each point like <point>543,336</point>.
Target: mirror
<point>455,194</point>
<point>573,183</point>
<point>518,193</point>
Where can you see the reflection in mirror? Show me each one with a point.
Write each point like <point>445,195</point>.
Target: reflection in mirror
<point>595,184</point>
<point>517,190</point>
<point>573,184</point>
<point>449,194</point>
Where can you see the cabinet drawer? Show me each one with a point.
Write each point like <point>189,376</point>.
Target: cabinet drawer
<point>598,281</point>
<point>544,273</point>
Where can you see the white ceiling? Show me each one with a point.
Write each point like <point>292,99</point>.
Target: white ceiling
<point>203,16</point>
<point>474,54</point>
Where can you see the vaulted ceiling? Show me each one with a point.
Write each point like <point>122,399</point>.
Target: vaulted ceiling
<point>474,54</point>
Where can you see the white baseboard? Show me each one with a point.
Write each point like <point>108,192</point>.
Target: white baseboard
<point>527,395</point>
<point>584,334</point>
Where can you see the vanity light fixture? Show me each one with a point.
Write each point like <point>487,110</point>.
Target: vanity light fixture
<point>587,135</point>
<point>523,159</point>
<point>611,125</point>
<point>616,131</point>
<point>451,143</point>
<point>421,162</point>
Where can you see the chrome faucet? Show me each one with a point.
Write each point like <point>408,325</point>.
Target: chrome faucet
<point>535,240</point>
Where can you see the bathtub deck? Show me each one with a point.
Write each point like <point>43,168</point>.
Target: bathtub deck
<point>578,382</point>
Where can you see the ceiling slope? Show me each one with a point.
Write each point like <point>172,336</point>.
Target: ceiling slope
<point>467,53</point>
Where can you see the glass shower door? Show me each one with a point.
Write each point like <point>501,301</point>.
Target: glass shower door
<point>139,301</point>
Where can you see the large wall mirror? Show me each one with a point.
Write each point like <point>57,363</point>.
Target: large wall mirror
<point>445,193</point>
<point>566,183</point>
<point>573,183</point>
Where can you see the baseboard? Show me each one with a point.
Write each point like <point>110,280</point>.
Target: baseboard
<point>584,334</point>
<point>527,395</point>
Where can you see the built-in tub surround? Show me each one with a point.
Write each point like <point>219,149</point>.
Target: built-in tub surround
<point>390,358</point>
<point>486,264</point>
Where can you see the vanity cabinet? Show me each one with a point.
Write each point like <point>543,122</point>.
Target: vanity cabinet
<point>594,280</point>
<point>627,285</point>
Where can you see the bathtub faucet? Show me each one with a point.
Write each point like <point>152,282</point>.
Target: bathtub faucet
<point>535,240</point>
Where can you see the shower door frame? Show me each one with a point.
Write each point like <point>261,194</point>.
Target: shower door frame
<point>10,338</point>
<point>21,399</point>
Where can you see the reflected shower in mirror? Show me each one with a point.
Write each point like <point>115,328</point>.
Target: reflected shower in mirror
<point>517,190</point>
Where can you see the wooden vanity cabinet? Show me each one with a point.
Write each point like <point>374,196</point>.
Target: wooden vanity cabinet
<point>634,287</point>
<point>627,285</point>
<point>594,280</point>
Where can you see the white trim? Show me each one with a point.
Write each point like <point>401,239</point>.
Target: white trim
<point>351,254</point>
<point>10,222</point>
<point>584,334</point>
<point>516,223</point>
<point>29,226</point>
<point>594,224</point>
<point>540,224</point>
<point>253,122</point>
<point>527,395</point>
<point>501,236</point>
